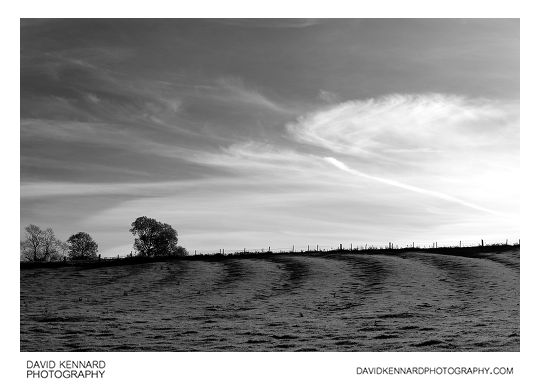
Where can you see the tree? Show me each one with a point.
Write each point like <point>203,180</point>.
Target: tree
<point>40,245</point>
<point>31,246</point>
<point>49,244</point>
<point>179,251</point>
<point>82,246</point>
<point>154,238</point>
<point>62,249</point>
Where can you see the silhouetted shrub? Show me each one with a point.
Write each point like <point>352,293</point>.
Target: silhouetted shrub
<point>180,252</point>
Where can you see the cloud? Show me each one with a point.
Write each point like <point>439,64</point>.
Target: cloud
<point>278,194</point>
<point>108,135</point>
<point>436,194</point>
<point>271,23</point>
<point>238,92</point>
<point>463,147</point>
<point>423,124</point>
<point>57,189</point>
<point>328,97</point>
<point>293,197</point>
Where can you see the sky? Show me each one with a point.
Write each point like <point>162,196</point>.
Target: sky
<point>245,133</point>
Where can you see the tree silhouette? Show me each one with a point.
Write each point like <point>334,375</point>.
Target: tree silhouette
<point>82,246</point>
<point>40,245</point>
<point>49,244</point>
<point>154,238</point>
<point>62,249</point>
<point>31,246</point>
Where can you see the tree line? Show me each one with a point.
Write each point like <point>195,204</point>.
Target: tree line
<point>152,239</point>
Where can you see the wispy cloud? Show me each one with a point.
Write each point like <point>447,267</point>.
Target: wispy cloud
<point>238,92</point>
<point>272,23</point>
<point>459,149</point>
<point>328,97</point>
<point>422,123</point>
<point>111,135</point>
<point>342,166</point>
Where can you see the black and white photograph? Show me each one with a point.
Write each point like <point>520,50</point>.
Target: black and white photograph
<point>269,185</point>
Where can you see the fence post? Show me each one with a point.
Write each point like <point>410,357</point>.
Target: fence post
<point>482,242</point>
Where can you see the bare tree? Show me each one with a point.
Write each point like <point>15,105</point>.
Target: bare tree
<point>62,249</point>
<point>41,245</point>
<point>31,246</point>
<point>48,244</point>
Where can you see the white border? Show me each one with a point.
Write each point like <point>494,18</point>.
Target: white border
<point>249,368</point>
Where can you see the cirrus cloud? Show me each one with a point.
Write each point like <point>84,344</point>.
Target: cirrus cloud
<point>419,124</point>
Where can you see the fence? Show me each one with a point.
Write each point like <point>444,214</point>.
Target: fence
<point>360,246</point>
